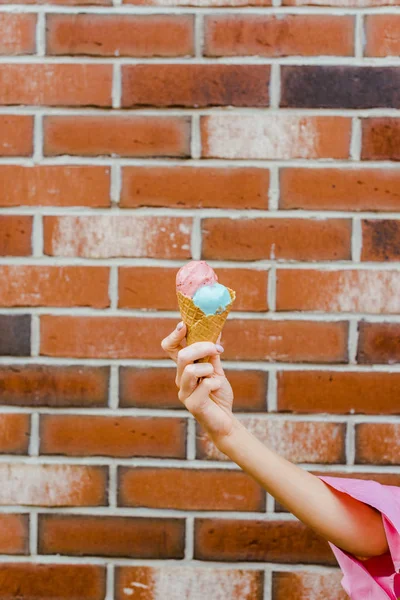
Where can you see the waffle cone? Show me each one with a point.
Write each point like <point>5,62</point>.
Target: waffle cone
<point>201,327</point>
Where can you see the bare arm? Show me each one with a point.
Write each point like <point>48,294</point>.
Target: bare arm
<point>349,524</point>
<point>205,391</point>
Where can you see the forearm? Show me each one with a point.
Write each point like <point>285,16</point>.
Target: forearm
<point>339,518</point>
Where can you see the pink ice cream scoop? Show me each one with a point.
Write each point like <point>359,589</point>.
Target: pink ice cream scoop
<point>194,275</point>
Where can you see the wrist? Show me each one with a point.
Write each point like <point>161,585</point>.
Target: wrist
<point>229,441</point>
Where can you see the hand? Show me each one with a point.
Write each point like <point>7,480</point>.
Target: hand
<point>203,388</point>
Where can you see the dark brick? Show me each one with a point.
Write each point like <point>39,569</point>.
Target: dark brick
<point>340,87</point>
<point>379,343</point>
<point>15,335</point>
<point>381,240</point>
<point>381,139</point>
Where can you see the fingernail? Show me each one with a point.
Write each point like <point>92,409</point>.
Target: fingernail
<point>219,347</point>
<point>179,326</point>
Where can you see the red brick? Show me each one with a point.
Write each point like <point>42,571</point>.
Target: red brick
<point>380,139</point>
<point>347,290</point>
<point>377,443</point>
<point>55,186</point>
<point>14,433</point>
<point>18,33</point>
<point>46,385</point>
<point>345,3</point>
<point>52,485</point>
<point>16,135</point>
<point>111,536</point>
<point>84,435</point>
<point>195,187</point>
<point>297,441</point>
<point>104,337</point>
<point>380,240</point>
<point>200,3</point>
<point>155,388</point>
<point>150,583</point>
<point>308,586</point>
<point>340,189</point>
<point>139,286</point>
<point>382,33</point>
<point>56,85</point>
<point>15,235</point>
<point>117,135</point>
<point>274,136</point>
<point>199,85</point>
<point>339,392</point>
<point>379,343</point>
<point>266,239</point>
<point>14,535</point>
<point>31,581</point>
<point>189,489</point>
<point>120,35</point>
<point>259,541</point>
<point>106,236</point>
<point>285,341</point>
<point>255,35</point>
<point>54,286</point>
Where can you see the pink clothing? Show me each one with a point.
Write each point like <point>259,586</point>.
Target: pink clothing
<point>376,578</point>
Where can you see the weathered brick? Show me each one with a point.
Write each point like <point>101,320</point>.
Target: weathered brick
<point>299,442</point>
<point>47,385</point>
<point>340,189</point>
<point>56,84</point>
<point>285,341</point>
<point>340,87</point>
<point>120,35</point>
<point>14,433</point>
<point>199,85</point>
<point>55,186</point>
<point>54,286</point>
<point>111,536</point>
<point>148,583</point>
<point>355,290</point>
<point>105,236</point>
<point>338,392</point>
<point>189,489</point>
<point>377,443</point>
<point>15,235</point>
<point>267,239</point>
<point>84,435</point>
<point>155,388</point>
<point>103,337</point>
<point>52,485</point>
<point>380,241</point>
<point>117,135</point>
<point>256,35</point>
<point>379,343</point>
<point>138,288</point>
<point>380,138</point>
<point>308,586</point>
<point>18,33</point>
<point>282,136</point>
<point>195,187</point>
<point>14,535</point>
<point>15,335</point>
<point>16,135</point>
<point>259,541</point>
<point>29,581</point>
<point>382,33</point>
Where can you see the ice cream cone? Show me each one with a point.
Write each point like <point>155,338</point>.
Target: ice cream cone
<point>202,327</point>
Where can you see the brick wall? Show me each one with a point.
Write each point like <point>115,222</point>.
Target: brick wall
<point>134,137</point>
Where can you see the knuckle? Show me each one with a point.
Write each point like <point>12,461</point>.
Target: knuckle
<point>190,370</point>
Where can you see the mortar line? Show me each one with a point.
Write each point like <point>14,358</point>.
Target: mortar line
<point>195,138</point>
<point>355,144</point>
<point>113,401</point>
<point>116,85</point>
<point>350,444</point>
<point>267,589</point>
<point>272,404</point>
<point>189,538</point>
<point>275,86</point>
<point>37,137</point>
<point>115,184</point>
<point>274,188</point>
<point>37,235</point>
<point>34,438</point>
<point>35,335</point>
<point>198,35</point>
<point>33,534</point>
<point>356,240</point>
<point>359,36</point>
<point>40,34</point>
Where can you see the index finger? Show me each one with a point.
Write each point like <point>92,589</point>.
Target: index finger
<point>172,344</point>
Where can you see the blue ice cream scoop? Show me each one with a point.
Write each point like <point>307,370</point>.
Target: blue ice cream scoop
<point>212,299</point>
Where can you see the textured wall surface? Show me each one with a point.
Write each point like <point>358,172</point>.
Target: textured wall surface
<point>135,136</point>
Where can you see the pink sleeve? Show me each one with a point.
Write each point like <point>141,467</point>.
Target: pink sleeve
<point>376,578</point>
